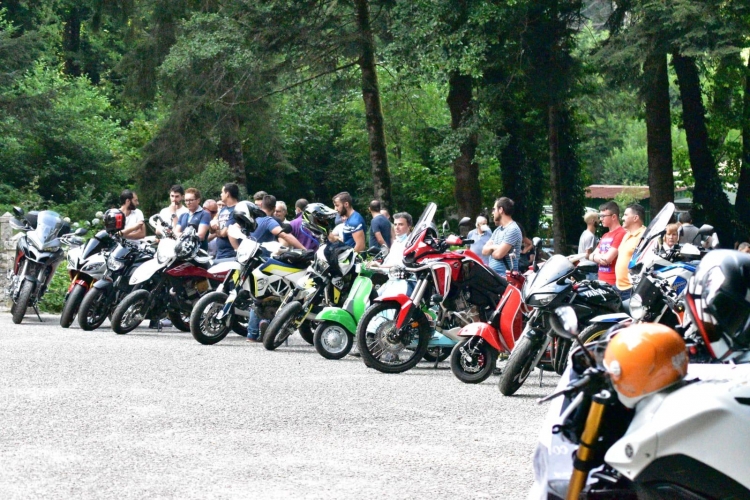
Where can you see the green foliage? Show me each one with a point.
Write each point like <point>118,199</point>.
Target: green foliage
<point>210,180</point>
<point>54,297</point>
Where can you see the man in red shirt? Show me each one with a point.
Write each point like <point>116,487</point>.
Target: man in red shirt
<point>606,253</point>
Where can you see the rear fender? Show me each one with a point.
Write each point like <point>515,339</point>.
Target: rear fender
<point>337,315</point>
<point>485,331</point>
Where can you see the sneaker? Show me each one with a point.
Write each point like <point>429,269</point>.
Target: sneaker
<point>254,340</point>
<point>165,323</point>
<point>263,326</point>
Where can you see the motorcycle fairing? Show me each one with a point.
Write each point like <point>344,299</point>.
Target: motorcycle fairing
<point>485,331</point>
<point>338,315</point>
<point>190,270</point>
<point>224,267</point>
<point>511,317</point>
<point>359,297</point>
<point>146,270</point>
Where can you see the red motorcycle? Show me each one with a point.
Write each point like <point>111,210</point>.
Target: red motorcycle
<point>447,290</point>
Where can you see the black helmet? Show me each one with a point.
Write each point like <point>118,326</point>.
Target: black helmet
<point>245,213</point>
<point>319,218</point>
<point>114,220</point>
<point>719,293</point>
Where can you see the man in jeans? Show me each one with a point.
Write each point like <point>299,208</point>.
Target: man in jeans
<point>605,254</point>
<point>632,222</point>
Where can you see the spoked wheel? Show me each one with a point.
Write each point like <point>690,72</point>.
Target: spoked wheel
<point>130,313</point>
<point>386,348</point>
<point>282,326</point>
<point>204,326</point>
<point>472,360</point>
<point>438,354</point>
<point>520,365</point>
<point>332,341</point>
<point>94,310</point>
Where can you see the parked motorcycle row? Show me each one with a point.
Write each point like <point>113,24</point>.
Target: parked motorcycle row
<point>630,420</point>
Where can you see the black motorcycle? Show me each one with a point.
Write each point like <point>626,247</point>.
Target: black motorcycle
<point>38,253</point>
<point>558,282</point>
<point>105,294</point>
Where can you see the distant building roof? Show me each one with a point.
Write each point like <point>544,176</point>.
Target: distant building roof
<point>609,191</point>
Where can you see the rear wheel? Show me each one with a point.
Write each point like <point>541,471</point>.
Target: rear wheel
<point>472,360</point>
<point>239,325</point>
<point>282,326</point>
<point>130,313</point>
<point>22,303</point>
<point>204,326</point>
<point>179,320</point>
<point>72,304</point>
<point>387,348</point>
<point>332,341</point>
<point>520,365</point>
<point>306,332</point>
<point>437,354</point>
<point>94,310</point>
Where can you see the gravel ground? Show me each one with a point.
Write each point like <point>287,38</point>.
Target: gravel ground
<point>157,415</point>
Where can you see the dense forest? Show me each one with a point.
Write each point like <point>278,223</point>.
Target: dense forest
<point>450,101</point>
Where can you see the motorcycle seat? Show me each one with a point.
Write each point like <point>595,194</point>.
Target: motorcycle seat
<point>297,258</point>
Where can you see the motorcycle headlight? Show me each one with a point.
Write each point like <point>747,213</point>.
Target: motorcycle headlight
<point>637,311</point>
<point>541,299</point>
<point>114,264</point>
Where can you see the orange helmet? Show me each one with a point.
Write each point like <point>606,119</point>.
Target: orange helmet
<point>644,358</point>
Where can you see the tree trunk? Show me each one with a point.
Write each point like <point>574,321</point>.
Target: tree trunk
<point>72,42</point>
<point>467,191</point>
<point>709,199</point>
<point>230,148</point>
<point>555,178</point>
<point>381,177</point>
<point>658,131</point>
<point>742,205</point>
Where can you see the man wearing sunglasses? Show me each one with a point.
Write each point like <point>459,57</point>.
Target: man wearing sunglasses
<point>605,254</point>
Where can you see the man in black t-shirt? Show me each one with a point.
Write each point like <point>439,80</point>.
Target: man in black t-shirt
<point>226,247</point>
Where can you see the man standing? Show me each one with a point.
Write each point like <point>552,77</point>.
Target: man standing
<point>225,245</point>
<point>196,216</point>
<point>354,227</point>
<point>299,207</point>
<point>480,235</point>
<point>632,222</point>
<point>175,209</point>
<point>605,254</point>
<point>135,228</point>
<point>213,209</point>
<point>381,232</point>
<point>506,238</point>
<point>402,222</point>
<point>688,232</point>
<point>280,211</point>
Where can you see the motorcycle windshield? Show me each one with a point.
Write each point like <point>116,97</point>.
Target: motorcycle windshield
<point>424,222</point>
<point>655,228</point>
<point>94,245</point>
<point>47,226</point>
<point>557,267</point>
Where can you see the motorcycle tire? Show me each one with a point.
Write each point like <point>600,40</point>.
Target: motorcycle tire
<point>381,353</point>
<point>282,326</point>
<point>432,355</point>
<point>129,313</point>
<point>22,303</point>
<point>239,325</point>
<point>94,310</point>
<point>306,332</point>
<point>72,305</point>
<point>594,332</point>
<point>203,324</point>
<point>479,367</point>
<point>179,320</point>
<point>519,365</point>
<point>561,355</point>
<point>332,341</point>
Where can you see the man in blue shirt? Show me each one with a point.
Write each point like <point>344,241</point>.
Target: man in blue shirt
<point>480,236</point>
<point>381,231</point>
<point>506,238</point>
<point>354,227</point>
<point>195,216</point>
<point>226,247</point>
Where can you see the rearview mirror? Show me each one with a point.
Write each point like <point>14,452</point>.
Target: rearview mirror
<point>706,229</point>
<point>565,322</point>
<point>466,221</point>
<point>286,228</point>
<point>18,211</point>
<point>81,231</point>
<point>446,226</point>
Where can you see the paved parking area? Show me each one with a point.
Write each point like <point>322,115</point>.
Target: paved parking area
<point>157,415</point>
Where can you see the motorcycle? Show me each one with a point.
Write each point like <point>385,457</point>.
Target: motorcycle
<point>452,289</point>
<point>86,266</point>
<point>640,427</point>
<point>555,283</point>
<point>172,282</point>
<point>38,253</point>
<point>252,281</point>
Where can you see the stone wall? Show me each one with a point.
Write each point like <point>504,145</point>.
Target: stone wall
<point>7,251</point>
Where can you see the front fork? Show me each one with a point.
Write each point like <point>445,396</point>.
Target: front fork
<point>586,453</point>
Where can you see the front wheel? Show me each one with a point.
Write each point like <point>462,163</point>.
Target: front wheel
<point>519,366</point>
<point>282,326</point>
<point>594,332</point>
<point>22,303</point>
<point>472,360</point>
<point>129,314</point>
<point>179,320</point>
<point>387,348</point>
<point>204,326</point>
<point>94,310</point>
<point>332,341</point>
<point>72,304</point>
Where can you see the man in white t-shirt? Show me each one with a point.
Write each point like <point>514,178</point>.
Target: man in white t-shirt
<point>135,227</point>
<point>176,208</point>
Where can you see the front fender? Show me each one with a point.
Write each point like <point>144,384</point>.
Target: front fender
<point>406,305</point>
<point>224,267</point>
<point>146,270</point>
<point>104,285</point>
<point>337,315</point>
<point>485,331</point>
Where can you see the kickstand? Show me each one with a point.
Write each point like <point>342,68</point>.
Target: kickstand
<point>437,360</point>
<point>36,310</point>
<point>541,376</point>
<point>158,327</point>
